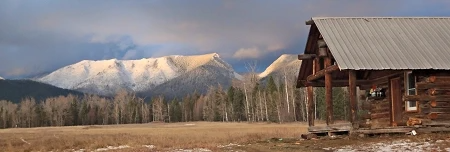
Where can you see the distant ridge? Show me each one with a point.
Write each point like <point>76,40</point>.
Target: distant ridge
<point>171,76</point>
<point>285,63</point>
<point>106,77</point>
<point>16,90</point>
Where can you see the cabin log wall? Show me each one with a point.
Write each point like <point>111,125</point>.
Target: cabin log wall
<point>379,108</point>
<point>433,96</point>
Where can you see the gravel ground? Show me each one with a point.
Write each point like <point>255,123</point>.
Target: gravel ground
<point>396,146</point>
<point>384,143</point>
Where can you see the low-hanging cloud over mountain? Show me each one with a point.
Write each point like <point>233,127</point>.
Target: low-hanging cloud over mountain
<point>40,36</point>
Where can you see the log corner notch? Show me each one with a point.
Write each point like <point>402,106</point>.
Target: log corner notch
<point>309,22</point>
<point>306,56</point>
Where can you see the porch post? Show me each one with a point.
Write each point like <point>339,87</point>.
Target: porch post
<point>329,92</point>
<point>352,95</point>
<point>310,98</point>
<point>316,65</point>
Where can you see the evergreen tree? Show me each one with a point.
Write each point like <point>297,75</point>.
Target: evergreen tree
<point>175,111</point>
<point>239,105</point>
<point>321,107</point>
<point>340,104</point>
<point>230,99</point>
<point>84,112</point>
<point>271,86</point>
<point>74,112</point>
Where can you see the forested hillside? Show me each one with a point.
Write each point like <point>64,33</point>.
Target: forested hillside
<point>16,90</point>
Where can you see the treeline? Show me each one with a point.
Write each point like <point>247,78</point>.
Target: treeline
<point>250,101</point>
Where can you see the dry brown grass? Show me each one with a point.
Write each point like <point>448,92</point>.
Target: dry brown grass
<point>164,136</point>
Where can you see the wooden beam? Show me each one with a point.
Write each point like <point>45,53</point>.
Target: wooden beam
<point>438,79</point>
<point>434,110</point>
<point>436,123</point>
<point>433,129</point>
<point>426,98</point>
<point>334,127</point>
<point>329,91</point>
<point>384,130</point>
<point>321,73</point>
<point>384,77</point>
<point>438,116</point>
<point>380,115</point>
<point>425,85</point>
<point>310,97</point>
<point>336,83</point>
<point>438,91</point>
<point>306,56</point>
<point>352,95</point>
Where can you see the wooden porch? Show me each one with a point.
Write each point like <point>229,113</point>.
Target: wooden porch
<point>324,72</point>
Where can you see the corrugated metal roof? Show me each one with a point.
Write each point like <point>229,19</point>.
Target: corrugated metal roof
<point>387,42</point>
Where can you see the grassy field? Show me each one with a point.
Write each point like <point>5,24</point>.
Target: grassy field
<point>164,136</point>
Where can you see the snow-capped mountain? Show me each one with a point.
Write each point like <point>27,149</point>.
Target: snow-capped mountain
<point>106,77</point>
<point>2,78</point>
<point>288,63</point>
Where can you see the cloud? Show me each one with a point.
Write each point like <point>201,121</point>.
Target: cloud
<point>17,71</point>
<point>41,36</point>
<point>276,47</point>
<point>253,53</point>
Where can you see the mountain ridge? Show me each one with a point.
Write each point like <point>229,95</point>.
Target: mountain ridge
<point>285,63</point>
<point>173,76</point>
<point>106,77</point>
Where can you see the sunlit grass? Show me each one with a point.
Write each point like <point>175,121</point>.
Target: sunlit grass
<point>162,135</point>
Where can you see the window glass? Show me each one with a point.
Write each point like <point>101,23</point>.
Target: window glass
<point>411,86</point>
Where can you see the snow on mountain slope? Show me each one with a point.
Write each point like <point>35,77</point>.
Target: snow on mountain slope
<point>2,78</point>
<point>196,80</point>
<point>106,77</point>
<point>288,62</point>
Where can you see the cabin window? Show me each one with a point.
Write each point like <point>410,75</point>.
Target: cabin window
<point>410,90</point>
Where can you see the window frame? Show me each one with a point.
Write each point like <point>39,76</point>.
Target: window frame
<point>408,88</point>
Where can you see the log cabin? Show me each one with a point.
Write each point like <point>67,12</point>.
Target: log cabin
<point>403,63</point>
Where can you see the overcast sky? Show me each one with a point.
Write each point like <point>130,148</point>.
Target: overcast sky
<point>42,36</point>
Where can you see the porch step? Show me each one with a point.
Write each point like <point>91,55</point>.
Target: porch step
<point>333,127</point>
<point>329,130</point>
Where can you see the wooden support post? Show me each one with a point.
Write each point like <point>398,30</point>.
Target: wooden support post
<point>352,94</point>
<point>310,96</point>
<point>329,92</point>
<point>316,65</point>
